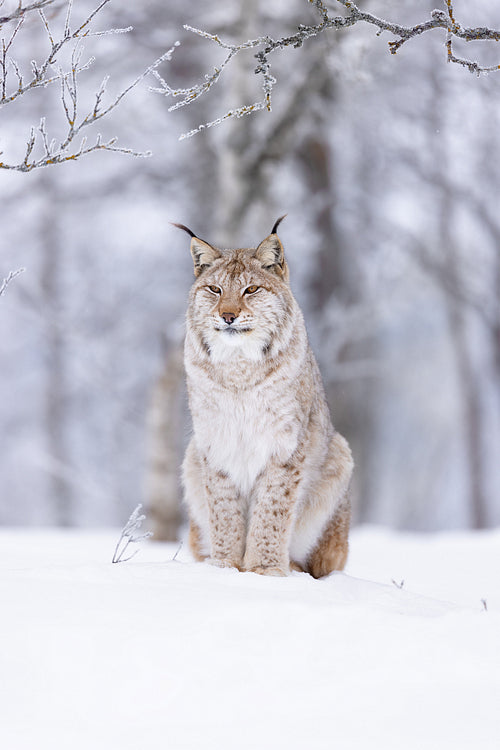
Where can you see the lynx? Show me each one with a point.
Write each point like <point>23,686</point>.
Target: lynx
<point>266,476</point>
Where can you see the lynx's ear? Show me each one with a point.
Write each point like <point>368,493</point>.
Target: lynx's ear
<point>203,253</point>
<point>271,254</point>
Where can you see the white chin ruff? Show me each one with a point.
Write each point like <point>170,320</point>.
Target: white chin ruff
<point>228,344</point>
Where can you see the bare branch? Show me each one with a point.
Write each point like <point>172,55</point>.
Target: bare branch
<point>51,151</point>
<point>40,77</point>
<point>439,19</point>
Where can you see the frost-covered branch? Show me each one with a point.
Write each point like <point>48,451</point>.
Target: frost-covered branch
<point>440,19</point>
<point>13,85</point>
<point>5,282</point>
<point>191,94</point>
<point>265,46</point>
<point>21,10</point>
<point>130,535</point>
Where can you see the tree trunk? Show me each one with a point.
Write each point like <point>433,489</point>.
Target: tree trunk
<point>233,178</point>
<point>164,427</point>
<point>468,379</point>
<point>55,393</point>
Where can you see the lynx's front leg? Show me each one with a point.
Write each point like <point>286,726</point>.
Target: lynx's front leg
<point>226,519</point>
<point>271,521</point>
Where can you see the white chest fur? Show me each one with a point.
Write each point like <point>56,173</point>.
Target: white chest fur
<point>240,432</point>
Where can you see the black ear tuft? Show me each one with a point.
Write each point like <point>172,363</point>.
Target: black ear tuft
<point>276,224</point>
<point>202,252</point>
<point>184,228</point>
<point>270,253</point>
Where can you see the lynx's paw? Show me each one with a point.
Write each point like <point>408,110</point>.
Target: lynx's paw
<point>264,570</point>
<point>223,563</point>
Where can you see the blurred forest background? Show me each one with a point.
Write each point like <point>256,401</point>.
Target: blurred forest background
<point>387,167</point>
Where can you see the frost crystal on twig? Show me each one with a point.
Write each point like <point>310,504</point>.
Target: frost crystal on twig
<point>130,535</point>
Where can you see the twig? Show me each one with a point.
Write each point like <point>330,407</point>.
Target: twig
<point>21,11</point>
<point>398,585</point>
<point>6,281</point>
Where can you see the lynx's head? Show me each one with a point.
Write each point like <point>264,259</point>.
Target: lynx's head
<point>240,303</point>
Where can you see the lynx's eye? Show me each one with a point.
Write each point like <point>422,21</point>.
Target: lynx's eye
<point>251,289</point>
<point>215,289</point>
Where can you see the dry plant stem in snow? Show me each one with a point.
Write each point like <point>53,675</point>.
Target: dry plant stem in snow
<point>43,74</point>
<point>266,45</point>
<point>130,535</point>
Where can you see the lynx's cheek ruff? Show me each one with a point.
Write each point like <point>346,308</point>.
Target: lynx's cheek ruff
<point>266,476</point>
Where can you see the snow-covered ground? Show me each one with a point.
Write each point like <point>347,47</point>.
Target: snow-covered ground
<point>161,653</point>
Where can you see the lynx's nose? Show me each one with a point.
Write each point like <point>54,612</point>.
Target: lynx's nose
<point>229,317</point>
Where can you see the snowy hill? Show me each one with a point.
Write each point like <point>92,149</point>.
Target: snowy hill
<point>161,653</point>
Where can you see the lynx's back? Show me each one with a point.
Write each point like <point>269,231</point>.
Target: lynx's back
<point>265,474</point>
